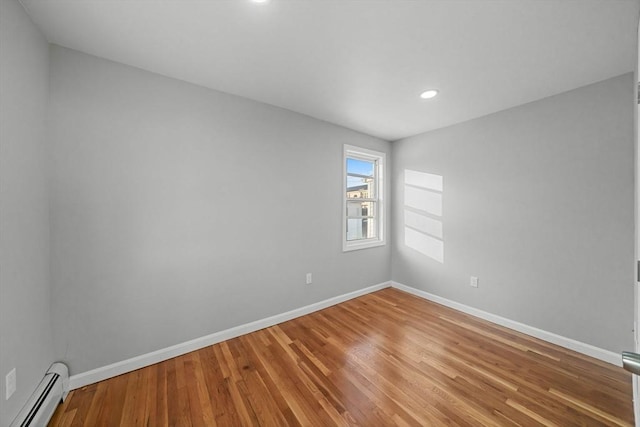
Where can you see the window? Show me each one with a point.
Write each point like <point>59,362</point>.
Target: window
<point>362,194</point>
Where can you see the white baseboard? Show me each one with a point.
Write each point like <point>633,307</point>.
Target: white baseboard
<point>118,368</point>
<point>571,344</point>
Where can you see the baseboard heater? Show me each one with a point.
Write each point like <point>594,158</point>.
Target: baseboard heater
<point>40,407</point>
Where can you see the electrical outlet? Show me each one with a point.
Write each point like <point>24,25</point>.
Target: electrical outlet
<point>309,279</point>
<point>473,282</point>
<point>10,383</point>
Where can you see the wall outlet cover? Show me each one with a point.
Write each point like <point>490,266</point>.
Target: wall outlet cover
<point>473,282</point>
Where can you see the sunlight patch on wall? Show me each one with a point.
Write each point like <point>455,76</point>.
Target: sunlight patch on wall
<point>423,223</point>
<point>425,244</point>
<point>423,180</point>
<point>423,232</point>
<point>424,200</point>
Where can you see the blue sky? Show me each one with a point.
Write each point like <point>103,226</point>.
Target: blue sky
<point>360,167</point>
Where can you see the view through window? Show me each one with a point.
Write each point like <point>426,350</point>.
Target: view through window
<point>363,170</point>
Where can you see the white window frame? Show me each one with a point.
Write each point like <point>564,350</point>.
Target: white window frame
<point>351,151</point>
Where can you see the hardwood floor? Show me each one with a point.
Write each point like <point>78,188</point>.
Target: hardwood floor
<point>386,358</point>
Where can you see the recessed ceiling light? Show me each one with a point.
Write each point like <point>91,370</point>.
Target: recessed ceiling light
<point>428,94</point>
<point>260,1</point>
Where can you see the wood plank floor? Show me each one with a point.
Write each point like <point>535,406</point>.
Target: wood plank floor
<point>386,358</point>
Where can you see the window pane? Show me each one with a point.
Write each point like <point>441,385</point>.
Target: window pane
<point>356,209</point>
<point>362,192</point>
<point>361,228</point>
<point>360,188</point>
<point>360,167</point>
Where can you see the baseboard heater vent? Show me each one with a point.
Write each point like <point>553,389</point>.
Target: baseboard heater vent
<point>40,407</point>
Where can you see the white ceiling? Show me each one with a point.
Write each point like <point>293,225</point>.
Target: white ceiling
<point>361,63</point>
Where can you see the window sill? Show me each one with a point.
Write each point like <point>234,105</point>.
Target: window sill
<point>351,246</point>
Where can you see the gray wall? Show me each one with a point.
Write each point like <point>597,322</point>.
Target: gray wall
<point>538,202</point>
<point>25,333</point>
<point>178,211</point>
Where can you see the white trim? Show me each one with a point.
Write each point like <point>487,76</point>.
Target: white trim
<point>571,344</point>
<point>380,158</point>
<point>122,367</point>
<point>361,244</point>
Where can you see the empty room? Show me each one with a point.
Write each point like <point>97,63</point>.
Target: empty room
<point>319,213</point>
